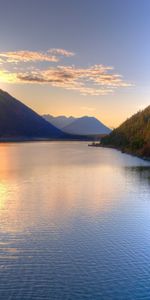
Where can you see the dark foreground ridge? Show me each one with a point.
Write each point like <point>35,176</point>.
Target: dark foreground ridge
<point>133,136</point>
<point>17,121</point>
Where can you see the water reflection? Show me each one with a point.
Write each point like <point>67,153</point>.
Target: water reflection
<point>40,187</point>
<point>3,195</point>
<point>141,173</point>
<point>72,220</point>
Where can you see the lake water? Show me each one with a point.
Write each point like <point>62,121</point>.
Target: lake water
<point>74,223</point>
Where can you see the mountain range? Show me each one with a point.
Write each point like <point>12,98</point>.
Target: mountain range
<point>133,136</point>
<point>84,126</point>
<point>18,121</point>
<point>60,121</point>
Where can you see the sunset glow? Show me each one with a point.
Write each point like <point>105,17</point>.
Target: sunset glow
<point>74,149</point>
<point>84,65</point>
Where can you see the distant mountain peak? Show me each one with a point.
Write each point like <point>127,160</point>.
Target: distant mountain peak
<point>86,125</point>
<point>59,121</point>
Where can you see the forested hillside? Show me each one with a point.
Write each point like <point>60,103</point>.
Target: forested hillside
<point>133,136</point>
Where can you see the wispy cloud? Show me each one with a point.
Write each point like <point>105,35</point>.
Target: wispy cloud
<point>62,52</point>
<point>95,80</point>
<point>51,55</point>
<point>87,108</point>
<point>88,81</point>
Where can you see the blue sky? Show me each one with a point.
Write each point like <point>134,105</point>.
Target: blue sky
<point>96,35</point>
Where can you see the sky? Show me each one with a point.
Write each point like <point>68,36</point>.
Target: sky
<point>77,57</point>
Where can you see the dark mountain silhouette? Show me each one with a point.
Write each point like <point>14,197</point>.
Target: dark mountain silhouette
<point>19,121</point>
<point>86,126</point>
<point>133,136</point>
<point>60,121</point>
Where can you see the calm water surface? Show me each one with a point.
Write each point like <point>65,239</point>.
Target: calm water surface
<point>74,223</point>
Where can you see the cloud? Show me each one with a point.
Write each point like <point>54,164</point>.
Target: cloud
<point>95,80</point>
<point>87,108</point>
<point>50,55</point>
<point>61,52</point>
<point>88,81</point>
<point>26,56</point>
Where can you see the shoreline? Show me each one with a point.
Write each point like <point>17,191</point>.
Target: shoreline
<point>122,151</point>
<point>24,140</point>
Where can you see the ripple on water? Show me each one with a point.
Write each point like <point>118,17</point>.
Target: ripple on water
<point>74,223</point>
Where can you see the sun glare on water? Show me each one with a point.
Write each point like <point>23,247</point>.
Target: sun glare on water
<point>3,194</point>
